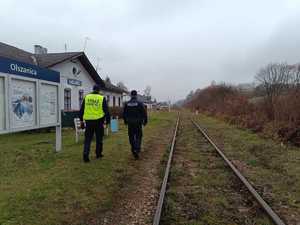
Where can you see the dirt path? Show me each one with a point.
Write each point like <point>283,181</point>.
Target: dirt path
<point>135,203</point>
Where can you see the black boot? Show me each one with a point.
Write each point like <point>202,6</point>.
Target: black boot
<point>98,156</point>
<point>136,155</point>
<point>86,158</point>
<point>98,151</point>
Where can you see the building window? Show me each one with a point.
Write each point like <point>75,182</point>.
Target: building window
<point>119,101</point>
<point>108,99</point>
<point>67,99</point>
<point>80,95</point>
<point>114,101</point>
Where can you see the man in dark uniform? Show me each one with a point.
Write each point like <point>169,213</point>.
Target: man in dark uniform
<point>94,111</point>
<point>135,116</point>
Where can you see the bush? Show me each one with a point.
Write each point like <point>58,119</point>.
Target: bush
<point>229,104</point>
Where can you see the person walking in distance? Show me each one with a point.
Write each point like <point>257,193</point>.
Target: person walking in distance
<point>94,111</point>
<point>135,116</point>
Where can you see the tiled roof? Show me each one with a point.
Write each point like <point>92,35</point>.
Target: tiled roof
<point>11,52</point>
<point>110,87</point>
<point>49,59</point>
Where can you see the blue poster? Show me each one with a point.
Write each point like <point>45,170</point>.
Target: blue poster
<point>23,103</point>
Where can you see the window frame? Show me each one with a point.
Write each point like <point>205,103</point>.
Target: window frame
<point>80,97</point>
<point>114,101</point>
<point>68,99</point>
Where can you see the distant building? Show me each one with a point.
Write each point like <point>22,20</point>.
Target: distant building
<point>247,88</point>
<point>163,106</point>
<point>115,96</point>
<point>78,76</point>
<point>147,101</point>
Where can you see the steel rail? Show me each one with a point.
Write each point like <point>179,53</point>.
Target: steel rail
<point>274,217</point>
<point>160,203</point>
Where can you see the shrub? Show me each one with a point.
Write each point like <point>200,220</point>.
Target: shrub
<point>229,104</point>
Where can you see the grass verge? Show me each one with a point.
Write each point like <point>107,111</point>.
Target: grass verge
<point>273,168</point>
<point>38,186</point>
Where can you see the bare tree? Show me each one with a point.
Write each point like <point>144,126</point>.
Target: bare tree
<point>295,78</point>
<point>147,91</point>
<point>274,80</point>
<point>190,95</point>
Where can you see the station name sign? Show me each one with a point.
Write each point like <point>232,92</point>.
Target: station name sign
<point>74,82</point>
<point>21,69</point>
<point>10,66</point>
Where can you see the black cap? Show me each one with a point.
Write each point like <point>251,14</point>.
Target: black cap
<point>133,93</point>
<point>96,87</point>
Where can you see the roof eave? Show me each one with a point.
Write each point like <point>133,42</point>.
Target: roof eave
<point>63,60</point>
<point>90,68</point>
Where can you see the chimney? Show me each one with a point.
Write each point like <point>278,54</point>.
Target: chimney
<point>38,49</point>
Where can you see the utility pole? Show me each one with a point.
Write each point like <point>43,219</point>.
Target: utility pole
<point>86,39</point>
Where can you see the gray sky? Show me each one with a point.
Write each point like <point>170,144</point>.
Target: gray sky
<point>172,45</point>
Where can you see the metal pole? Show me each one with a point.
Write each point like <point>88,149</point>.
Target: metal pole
<point>58,139</point>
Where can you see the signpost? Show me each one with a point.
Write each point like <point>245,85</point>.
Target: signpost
<point>29,98</point>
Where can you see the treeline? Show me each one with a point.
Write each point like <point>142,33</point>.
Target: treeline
<point>272,106</point>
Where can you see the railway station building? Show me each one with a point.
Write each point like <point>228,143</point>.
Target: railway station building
<point>78,75</point>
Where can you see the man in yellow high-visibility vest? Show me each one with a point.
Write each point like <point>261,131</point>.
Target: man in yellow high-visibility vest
<point>94,111</point>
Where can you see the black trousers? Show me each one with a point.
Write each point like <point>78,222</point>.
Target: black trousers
<point>93,126</point>
<point>135,133</point>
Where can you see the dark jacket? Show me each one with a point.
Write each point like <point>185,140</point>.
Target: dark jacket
<point>135,112</point>
<point>105,109</point>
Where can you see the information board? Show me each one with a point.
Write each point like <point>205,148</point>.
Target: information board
<point>48,104</point>
<point>23,103</point>
<point>29,98</point>
<point>2,104</point>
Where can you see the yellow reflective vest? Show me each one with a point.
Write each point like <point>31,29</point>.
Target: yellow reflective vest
<point>93,107</point>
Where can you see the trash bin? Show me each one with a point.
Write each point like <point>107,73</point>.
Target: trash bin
<point>114,125</point>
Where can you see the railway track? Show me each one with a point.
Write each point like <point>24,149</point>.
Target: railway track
<point>251,190</point>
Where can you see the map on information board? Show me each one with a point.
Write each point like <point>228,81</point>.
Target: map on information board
<point>23,103</point>
<point>2,104</point>
<point>48,104</point>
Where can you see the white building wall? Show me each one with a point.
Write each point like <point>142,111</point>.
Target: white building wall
<point>111,95</point>
<point>87,83</point>
<point>66,72</point>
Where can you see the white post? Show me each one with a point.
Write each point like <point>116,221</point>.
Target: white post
<point>107,130</point>
<point>76,136</point>
<point>58,141</point>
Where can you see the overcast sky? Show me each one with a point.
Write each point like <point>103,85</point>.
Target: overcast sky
<point>172,45</point>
